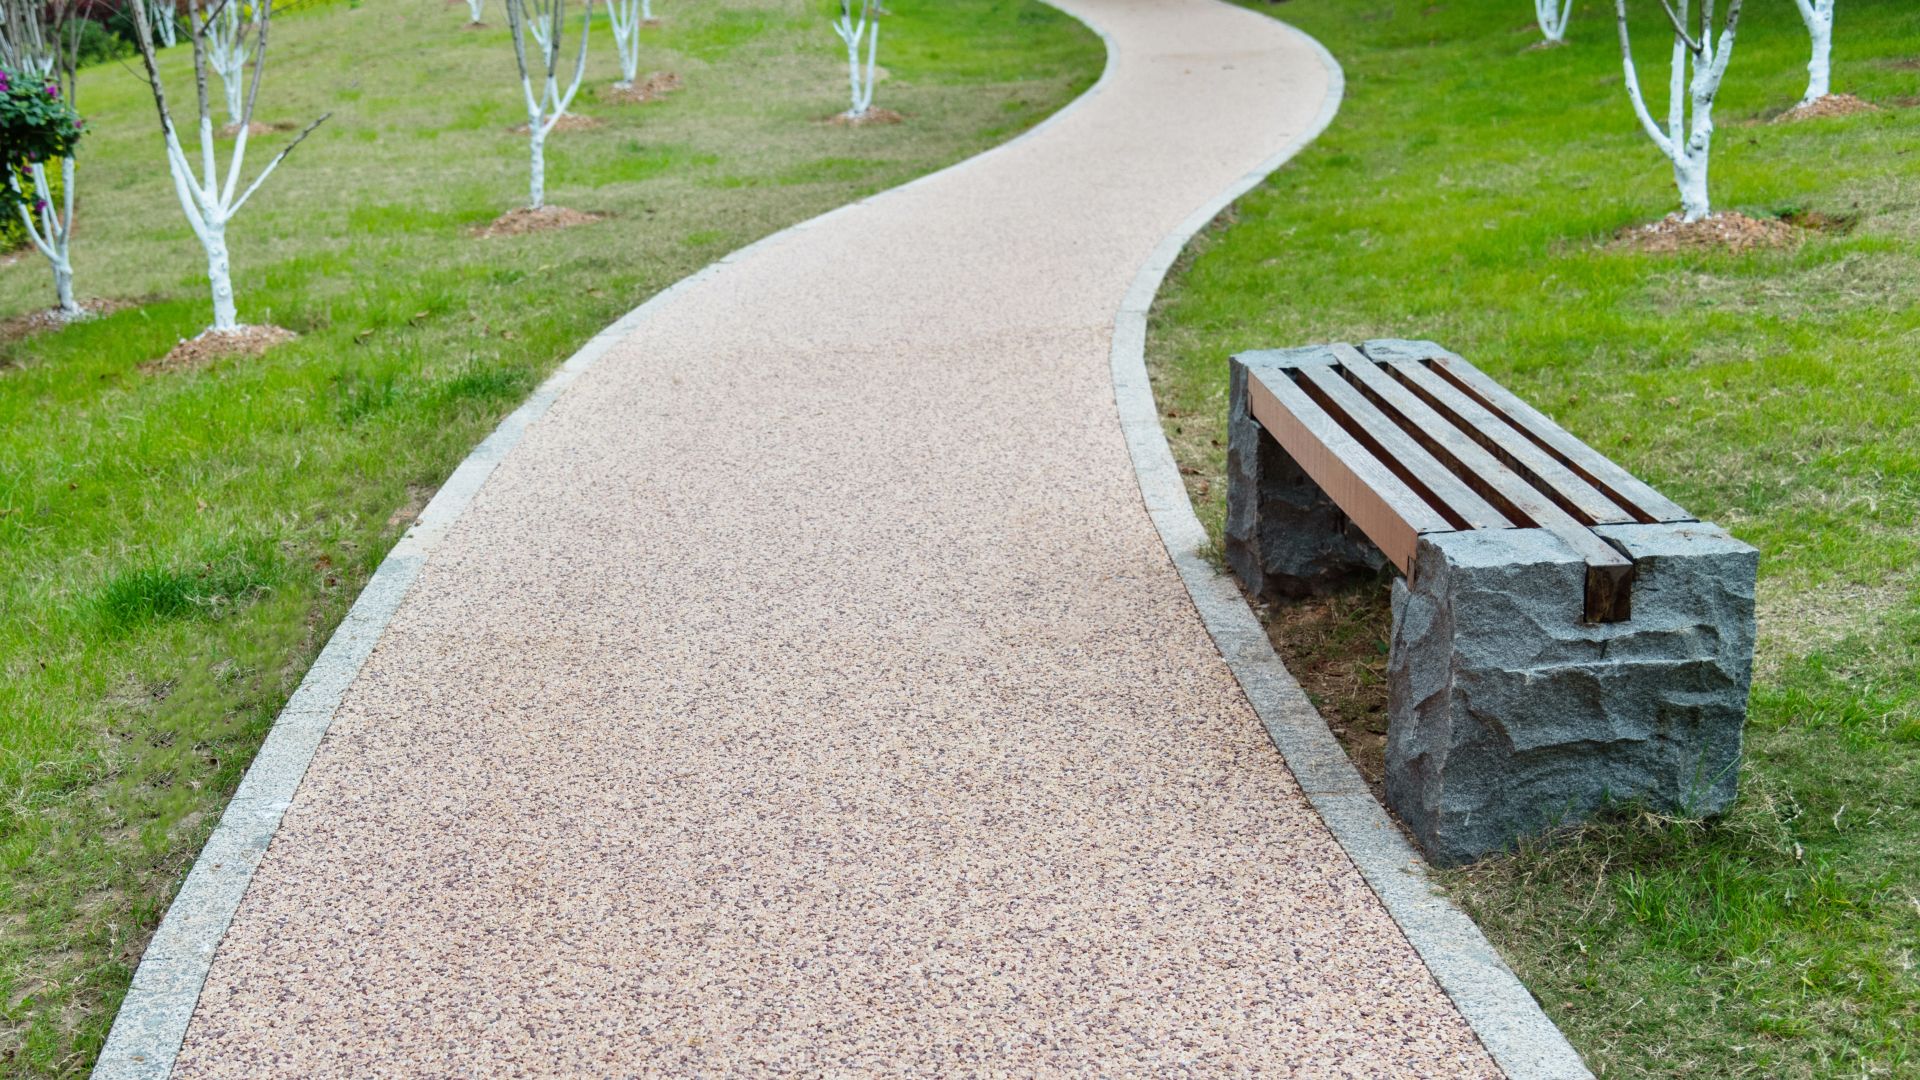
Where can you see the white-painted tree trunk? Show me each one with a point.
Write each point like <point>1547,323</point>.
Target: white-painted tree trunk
<point>226,317</point>
<point>625,17</point>
<point>1552,15</point>
<point>1818,15</point>
<point>50,228</point>
<point>475,9</point>
<point>35,39</point>
<point>545,108</point>
<point>851,33</point>
<point>537,187</point>
<point>228,50</point>
<point>1687,140</point>
<point>209,195</point>
<point>166,21</point>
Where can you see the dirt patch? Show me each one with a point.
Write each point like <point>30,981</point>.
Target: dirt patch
<point>34,322</point>
<point>1543,45</point>
<point>1821,108</point>
<point>1820,221</point>
<point>198,352</point>
<point>525,220</point>
<point>652,88</point>
<point>870,118</point>
<point>473,25</point>
<point>255,128</point>
<point>1728,231</point>
<point>1336,647</point>
<point>567,122</point>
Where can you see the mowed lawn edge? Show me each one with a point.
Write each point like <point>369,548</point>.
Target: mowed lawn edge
<point>1473,190</point>
<point>176,546</point>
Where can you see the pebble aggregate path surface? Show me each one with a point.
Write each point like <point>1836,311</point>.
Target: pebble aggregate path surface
<point>808,692</point>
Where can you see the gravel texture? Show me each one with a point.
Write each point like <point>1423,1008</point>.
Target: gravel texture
<point>809,692</point>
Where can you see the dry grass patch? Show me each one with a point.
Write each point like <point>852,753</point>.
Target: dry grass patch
<point>567,122</point>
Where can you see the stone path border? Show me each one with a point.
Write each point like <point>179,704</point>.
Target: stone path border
<point>1500,1009</point>
<point>152,1021</point>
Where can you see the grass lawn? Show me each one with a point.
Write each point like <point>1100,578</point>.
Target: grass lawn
<point>176,547</point>
<point>1468,192</point>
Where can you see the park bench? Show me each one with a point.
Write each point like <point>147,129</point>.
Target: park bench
<point>1564,637</point>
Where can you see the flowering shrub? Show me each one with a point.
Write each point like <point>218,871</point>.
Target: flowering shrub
<point>36,125</point>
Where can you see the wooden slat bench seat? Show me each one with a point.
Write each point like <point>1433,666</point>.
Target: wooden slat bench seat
<point>1520,666</point>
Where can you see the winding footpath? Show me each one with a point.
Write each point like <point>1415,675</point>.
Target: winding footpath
<point>799,686</point>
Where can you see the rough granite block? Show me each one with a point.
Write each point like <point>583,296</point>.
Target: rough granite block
<point>1284,537</point>
<point>1509,715</point>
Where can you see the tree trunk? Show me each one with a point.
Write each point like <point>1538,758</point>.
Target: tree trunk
<point>220,275</point>
<point>1690,175</point>
<point>1820,67</point>
<point>537,194</point>
<point>63,287</point>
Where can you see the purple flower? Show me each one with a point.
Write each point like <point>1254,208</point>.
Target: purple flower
<point>53,91</point>
<point>5,83</point>
<point>39,205</point>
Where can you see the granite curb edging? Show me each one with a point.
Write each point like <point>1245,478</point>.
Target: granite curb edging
<point>1523,1042</point>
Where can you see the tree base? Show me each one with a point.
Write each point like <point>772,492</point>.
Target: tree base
<point>640,91</point>
<point>210,346</point>
<point>1729,231</point>
<point>1821,108</point>
<point>528,220</point>
<point>36,322</point>
<point>872,117</point>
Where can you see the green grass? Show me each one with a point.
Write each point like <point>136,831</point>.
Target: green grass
<point>1468,192</point>
<point>176,547</point>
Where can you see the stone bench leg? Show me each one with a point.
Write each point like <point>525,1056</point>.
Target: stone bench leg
<point>1508,715</point>
<point>1284,538</point>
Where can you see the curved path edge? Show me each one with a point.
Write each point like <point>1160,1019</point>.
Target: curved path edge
<point>152,1021</point>
<point>151,1024</point>
<point>1499,1008</point>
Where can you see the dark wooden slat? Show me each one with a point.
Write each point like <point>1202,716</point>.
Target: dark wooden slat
<point>1620,485</point>
<point>1609,573</point>
<point>1564,486</point>
<point>1425,474</point>
<point>1378,502</point>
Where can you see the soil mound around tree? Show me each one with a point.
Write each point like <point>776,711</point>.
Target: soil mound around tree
<point>567,122</point>
<point>34,322</point>
<point>198,352</point>
<point>655,86</point>
<point>254,129</point>
<point>1728,231</point>
<point>1831,105</point>
<point>526,220</point>
<point>870,118</point>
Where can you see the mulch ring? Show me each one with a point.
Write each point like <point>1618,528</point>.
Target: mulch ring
<point>1727,231</point>
<point>1831,105</point>
<point>567,122</point>
<point>255,128</point>
<point>652,88</point>
<point>526,220</point>
<point>34,322</point>
<point>869,118</point>
<point>198,352</point>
